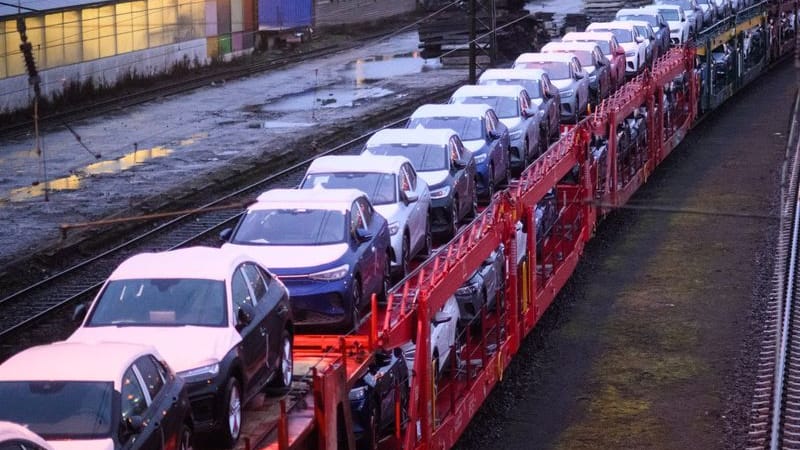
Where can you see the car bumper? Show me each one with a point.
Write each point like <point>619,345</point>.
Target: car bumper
<point>567,110</point>
<point>206,398</point>
<point>482,178</point>
<point>320,302</point>
<point>441,213</point>
<point>517,155</point>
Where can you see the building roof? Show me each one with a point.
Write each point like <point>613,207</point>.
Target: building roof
<point>357,163</point>
<point>423,136</point>
<point>38,7</point>
<point>74,361</point>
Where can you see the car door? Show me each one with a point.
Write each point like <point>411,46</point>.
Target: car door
<point>167,412</point>
<point>583,83</point>
<point>417,217</point>
<point>135,403</point>
<point>265,316</point>
<point>369,260</point>
<point>253,346</point>
<point>604,75</point>
<point>461,183</point>
<point>553,97</point>
<point>498,147</point>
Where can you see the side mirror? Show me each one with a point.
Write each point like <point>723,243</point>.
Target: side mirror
<point>225,234</point>
<point>578,76</point>
<point>244,316</point>
<point>458,164</point>
<point>411,196</point>
<point>440,318</point>
<point>363,235</point>
<point>79,313</point>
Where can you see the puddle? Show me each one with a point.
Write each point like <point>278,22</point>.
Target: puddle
<point>281,124</point>
<point>192,139</point>
<point>374,68</point>
<point>73,182</point>
<point>328,97</point>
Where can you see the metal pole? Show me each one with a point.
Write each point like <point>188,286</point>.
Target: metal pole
<point>472,43</point>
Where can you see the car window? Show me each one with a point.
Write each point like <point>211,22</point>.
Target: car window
<point>291,226</point>
<point>366,211</point>
<point>492,119</point>
<point>379,186</point>
<point>577,64</point>
<point>469,128</point>
<point>455,150</point>
<point>151,376</point>
<point>134,402</point>
<point>357,217</point>
<point>240,292</point>
<point>524,100</point>
<point>412,176</point>
<point>257,284</point>
<point>405,180</point>
<point>490,126</point>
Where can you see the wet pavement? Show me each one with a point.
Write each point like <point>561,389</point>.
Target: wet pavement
<point>154,147</point>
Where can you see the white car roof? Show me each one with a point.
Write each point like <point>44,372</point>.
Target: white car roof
<point>662,6</point>
<point>423,136</point>
<point>74,361</point>
<point>639,23</point>
<point>593,35</point>
<point>567,46</point>
<point>633,11</point>
<point>537,57</point>
<point>325,199</point>
<point>473,110</point>
<point>471,90</point>
<point>512,74</point>
<point>207,263</point>
<point>615,25</point>
<point>357,163</point>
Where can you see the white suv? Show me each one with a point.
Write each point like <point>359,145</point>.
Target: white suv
<point>630,39</point>
<point>396,192</point>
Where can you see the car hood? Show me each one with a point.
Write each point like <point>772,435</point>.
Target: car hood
<point>674,25</point>
<point>434,177</point>
<point>511,122</point>
<point>629,46</point>
<point>390,212</point>
<point>565,83</point>
<point>93,444</point>
<point>184,348</point>
<point>276,257</point>
<point>474,145</point>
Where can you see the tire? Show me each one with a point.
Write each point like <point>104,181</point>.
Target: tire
<point>355,315</point>
<point>454,219</point>
<point>232,425</point>
<point>404,259</point>
<point>185,442</point>
<point>427,249</point>
<point>283,378</point>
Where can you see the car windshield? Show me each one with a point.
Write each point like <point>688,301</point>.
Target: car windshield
<point>161,302</point>
<point>623,36</point>
<point>424,157</point>
<point>643,30</point>
<point>468,128</point>
<point>685,4</point>
<point>643,17</point>
<point>504,107</point>
<point>59,409</point>
<point>585,57</point>
<point>670,14</point>
<point>605,47</point>
<point>531,86</point>
<point>379,187</point>
<point>293,226</point>
<point>557,70</point>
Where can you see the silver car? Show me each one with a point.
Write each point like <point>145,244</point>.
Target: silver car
<point>567,74</point>
<point>394,189</point>
<point>517,112</point>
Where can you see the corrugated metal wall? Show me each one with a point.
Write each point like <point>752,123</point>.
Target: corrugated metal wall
<point>338,12</point>
<point>284,14</point>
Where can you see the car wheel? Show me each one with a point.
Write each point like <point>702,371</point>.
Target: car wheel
<point>387,281</point>
<point>355,317</point>
<point>233,412</point>
<point>283,377</point>
<point>404,264</point>
<point>185,442</point>
<point>454,219</point>
<point>427,250</point>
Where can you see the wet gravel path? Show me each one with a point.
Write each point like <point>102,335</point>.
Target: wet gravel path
<point>653,342</point>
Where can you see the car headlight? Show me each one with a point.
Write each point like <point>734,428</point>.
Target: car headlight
<point>468,289</point>
<point>567,92</point>
<point>631,53</point>
<point>442,192</point>
<point>394,227</point>
<point>200,373</point>
<point>336,273</point>
<point>358,394</point>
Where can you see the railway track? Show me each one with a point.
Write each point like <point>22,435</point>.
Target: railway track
<point>200,226</point>
<point>775,411</point>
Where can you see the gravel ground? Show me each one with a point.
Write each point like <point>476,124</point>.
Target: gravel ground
<point>653,342</point>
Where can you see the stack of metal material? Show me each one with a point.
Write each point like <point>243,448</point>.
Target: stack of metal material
<point>604,10</point>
